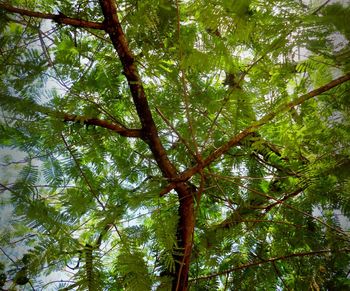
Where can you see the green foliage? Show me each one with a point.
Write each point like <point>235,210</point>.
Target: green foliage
<point>84,201</point>
<point>132,269</point>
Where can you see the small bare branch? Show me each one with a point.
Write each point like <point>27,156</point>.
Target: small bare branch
<point>104,123</point>
<point>58,18</point>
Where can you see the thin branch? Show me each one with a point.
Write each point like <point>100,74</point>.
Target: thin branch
<point>177,133</point>
<point>92,189</point>
<point>58,18</point>
<point>70,287</point>
<point>23,238</point>
<point>25,160</point>
<point>336,229</point>
<point>186,175</point>
<point>45,49</point>
<point>268,221</point>
<point>121,130</point>
<point>321,7</point>
<point>31,285</point>
<point>114,126</point>
<point>284,204</point>
<point>223,193</point>
<point>7,256</point>
<point>275,166</point>
<point>280,276</point>
<point>184,89</point>
<point>286,197</point>
<point>271,260</point>
<point>56,281</point>
<point>4,187</point>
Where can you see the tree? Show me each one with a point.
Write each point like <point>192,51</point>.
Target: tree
<point>176,145</point>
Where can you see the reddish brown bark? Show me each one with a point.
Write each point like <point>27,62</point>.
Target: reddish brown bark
<point>184,239</point>
<point>150,135</point>
<point>58,18</point>
<point>149,129</point>
<point>121,130</point>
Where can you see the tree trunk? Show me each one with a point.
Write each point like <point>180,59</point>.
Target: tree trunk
<point>184,238</point>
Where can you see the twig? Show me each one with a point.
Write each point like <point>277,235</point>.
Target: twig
<point>177,133</point>
<point>93,192</point>
<point>278,273</point>
<point>184,89</point>
<point>321,6</point>
<point>7,256</point>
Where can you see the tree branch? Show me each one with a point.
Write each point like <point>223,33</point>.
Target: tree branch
<point>150,136</point>
<point>185,143</point>
<point>149,129</point>
<point>286,197</point>
<point>271,260</point>
<point>34,107</point>
<point>186,175</point>
<point>58,18</point>
<point>121,130</point>
<point>93,191</point>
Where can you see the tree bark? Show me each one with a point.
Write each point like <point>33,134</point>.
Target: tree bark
<point>150,135</point>
<point>185,232</point>
<point>58,18</point>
